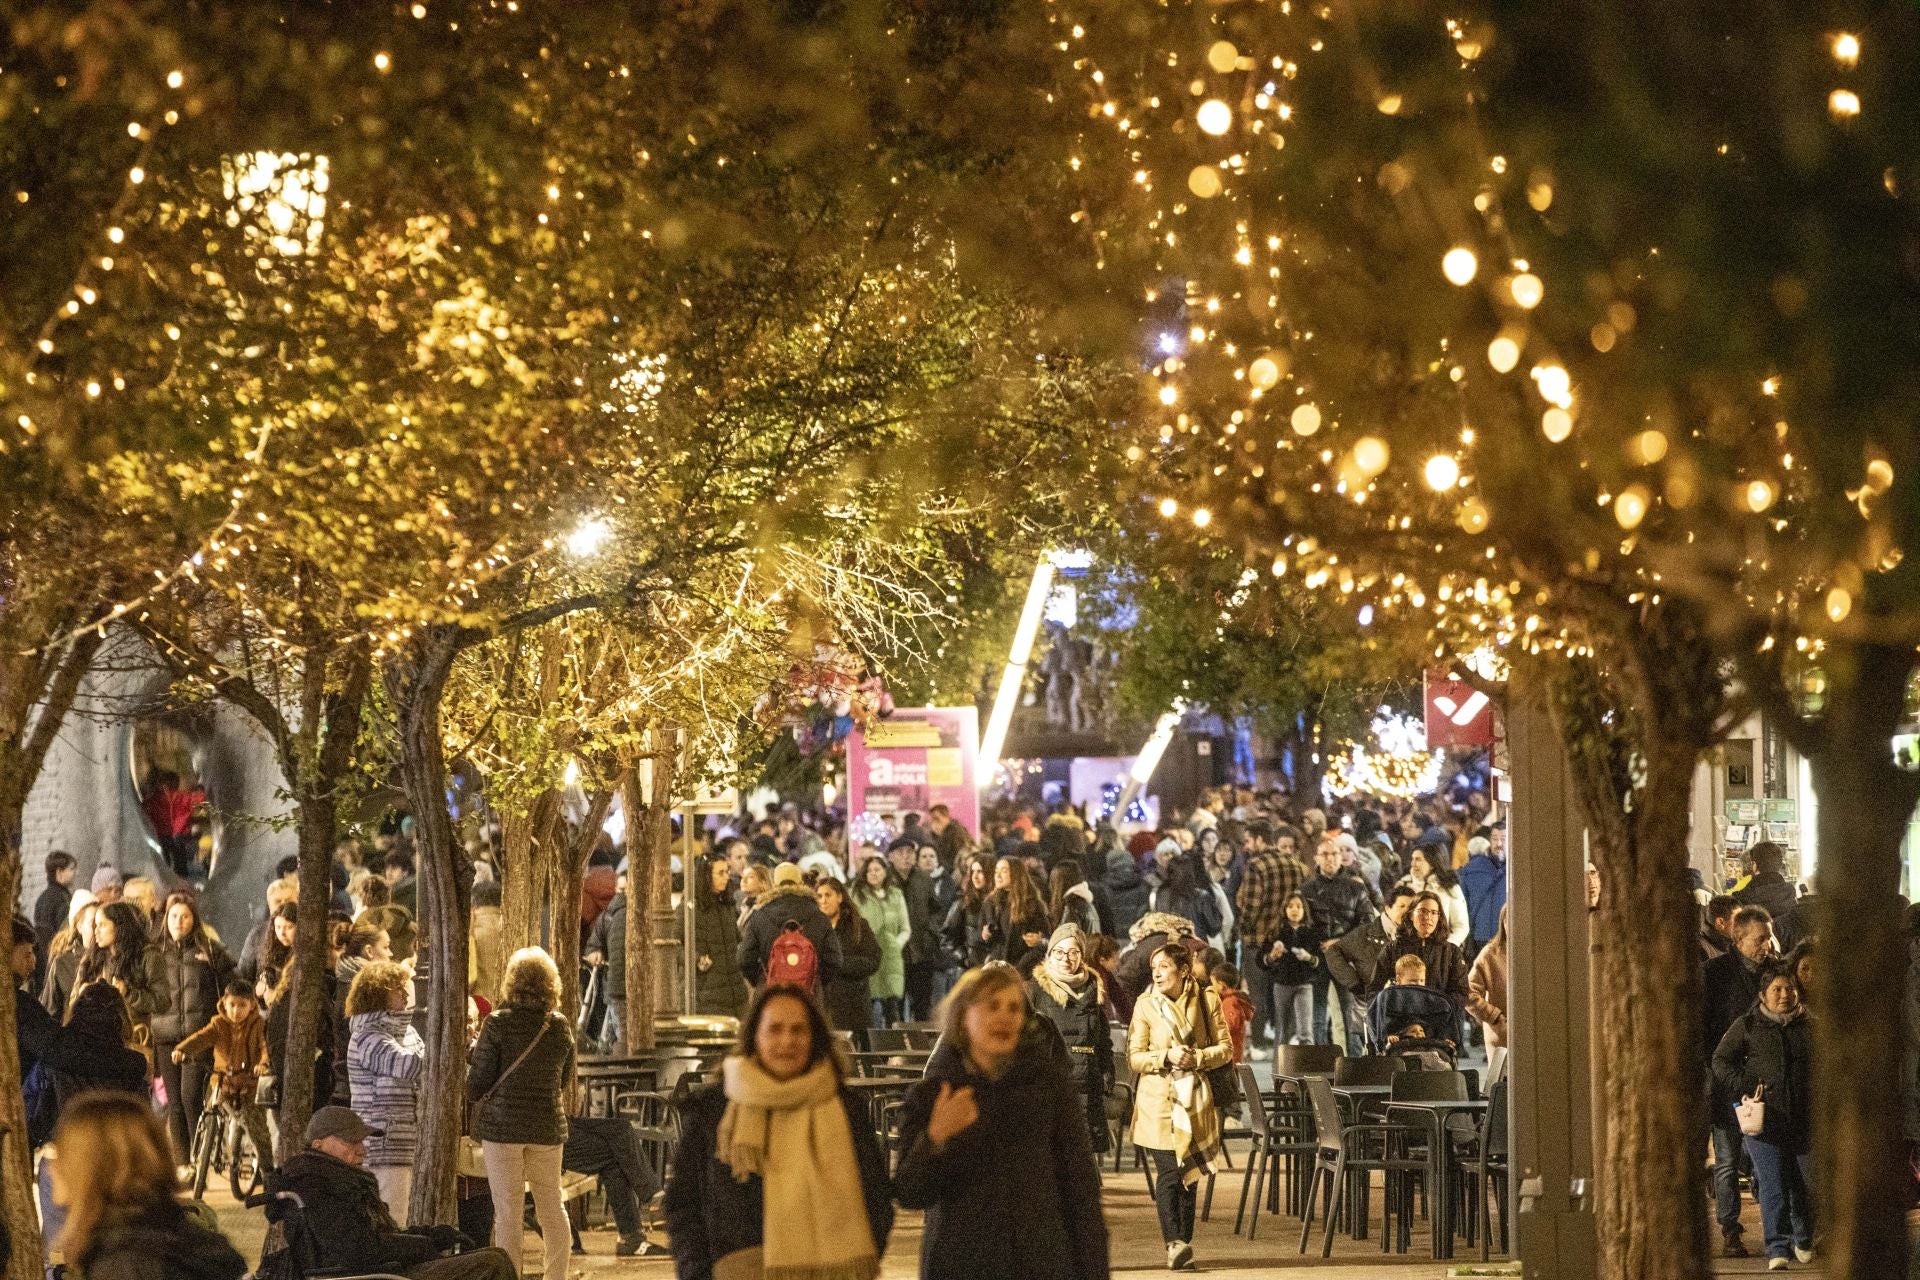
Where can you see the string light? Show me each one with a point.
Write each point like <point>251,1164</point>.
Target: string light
<point>1442,472</point>
<point>1459,266</point>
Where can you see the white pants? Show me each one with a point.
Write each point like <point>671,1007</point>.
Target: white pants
<point>396,1188</point>
<point>1496,1059</point>
<point>513,1169</point>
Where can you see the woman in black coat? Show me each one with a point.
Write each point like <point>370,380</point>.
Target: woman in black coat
<point>717,1209</point>
<point>519,1074</point>
<point>849,1005</point>
<point>966,925</point>
<point>994,1148</point>
<point>1067,992</point>
<point>1423,933</point>
<point>1768,1053</point>
<point>1017,925</point>
<point>193,972</point>
<point>719,988</point>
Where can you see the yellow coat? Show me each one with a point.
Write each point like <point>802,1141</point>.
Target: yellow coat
<point>1149,1037</point>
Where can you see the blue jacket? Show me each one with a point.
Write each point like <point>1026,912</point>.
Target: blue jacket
<point>1484,880</point>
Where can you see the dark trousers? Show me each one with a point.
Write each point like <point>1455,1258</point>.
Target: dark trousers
<point>1174,1200</point>
<point>607,1147</point>
<point>480,1264</point>
<point>1260,988</point>
<point>1729,1154</point>
<point>919,1006</point>
<point>186,1093</point>
<point>1781,1178</point>
<point>886,1011</point>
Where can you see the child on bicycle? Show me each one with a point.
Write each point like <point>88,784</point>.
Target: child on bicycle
<point>238,1036</point>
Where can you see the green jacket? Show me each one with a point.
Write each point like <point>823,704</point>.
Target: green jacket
<point>886,915</point>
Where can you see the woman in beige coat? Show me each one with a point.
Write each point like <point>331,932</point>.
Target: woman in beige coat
<point>1178,1034</point>
<point>1487,997</point>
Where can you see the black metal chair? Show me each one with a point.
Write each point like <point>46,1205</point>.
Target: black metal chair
<point>1483,1161</point>
<point>1305,1059</point>
<point>1273,1139</point>
<point>886,1040</point>
<point>1372,1070</point>
<point>1336,1159</point>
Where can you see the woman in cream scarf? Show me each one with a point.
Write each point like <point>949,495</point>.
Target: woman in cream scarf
<point>1068,993</point>
<point>776,1162</point>
<point>1178,1034</point>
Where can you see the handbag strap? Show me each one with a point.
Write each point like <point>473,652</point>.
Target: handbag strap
<point>525,1053</point>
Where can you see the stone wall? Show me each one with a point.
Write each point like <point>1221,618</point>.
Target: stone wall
<point>85,803</point>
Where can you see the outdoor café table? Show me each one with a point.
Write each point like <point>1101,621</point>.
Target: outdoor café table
<point>603,1078</point>
<point>879,1091</point>
<point>1439,1161</point>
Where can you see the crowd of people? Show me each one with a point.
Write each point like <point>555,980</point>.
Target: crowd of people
<point>1210,940</point>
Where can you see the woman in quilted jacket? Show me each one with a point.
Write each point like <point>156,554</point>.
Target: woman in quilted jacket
<point>385,1056</point>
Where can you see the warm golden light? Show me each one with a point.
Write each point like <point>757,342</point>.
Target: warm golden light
<point>1204,181</point>
<point>1442,472</point>
<point>1370,454</point>
<point>1630,508</point>
<point>1169,508</point>
<point>1556,425</point>
<point>1527,290</point>
<point>1214,117</point>
<point>1760,495</point>
<point>1846,49</point>
<point>1503,353</point>
<point>1839,604</point>
<point>1306,419</point>
<point>1843,104</point>
<point>1459,266</point>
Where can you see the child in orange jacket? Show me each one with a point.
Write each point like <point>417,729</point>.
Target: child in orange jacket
<point>238,1037</point>
<point>1236,1004</point>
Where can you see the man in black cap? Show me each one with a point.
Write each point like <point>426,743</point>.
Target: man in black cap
<point>346,1224</point>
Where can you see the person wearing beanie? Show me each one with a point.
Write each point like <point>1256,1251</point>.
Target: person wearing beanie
<point>1066,991</point>
<point>789,901</point>
<point>107,885</point>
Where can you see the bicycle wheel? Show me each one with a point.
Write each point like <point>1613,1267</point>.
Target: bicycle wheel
<point>206,1136</point>
<point>243,1170</point>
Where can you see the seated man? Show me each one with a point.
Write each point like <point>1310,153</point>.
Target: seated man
<point>608,1148</point>
<point>347,1224</point>
<point>1407,1004</point>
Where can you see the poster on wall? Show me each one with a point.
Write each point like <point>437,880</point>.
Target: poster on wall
<point>916,758</point>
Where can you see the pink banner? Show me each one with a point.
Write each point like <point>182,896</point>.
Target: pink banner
<point>914,759</point>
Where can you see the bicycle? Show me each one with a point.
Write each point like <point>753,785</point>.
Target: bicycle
<point>221,1143</point>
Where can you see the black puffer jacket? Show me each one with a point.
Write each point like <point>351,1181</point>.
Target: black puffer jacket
<point>1081,1020</point>
<point>160,1244</point>
<point>787,902</point>
<point>1757,1050</point>
<point>718,988</point>
<point>528,1103</point>
<point>962,931</point>
<point>193,974</point>
<point>609,938</point>
<point>710,1214</point>
<point>1015,1195</point>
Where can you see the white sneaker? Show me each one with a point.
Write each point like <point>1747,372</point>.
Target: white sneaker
<point>1802,1256</point>
<point>1776,1264</point>
<point>1179,1255</point>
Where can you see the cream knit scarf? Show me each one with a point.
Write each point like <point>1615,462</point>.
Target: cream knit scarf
<point>794,1135</point>
<point>1196,1125</point>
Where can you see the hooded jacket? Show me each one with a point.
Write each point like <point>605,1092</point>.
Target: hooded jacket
<point>160,1244</point>
<point>1015,1195</point>
<point>1149,933</point>
<point>777,906</point>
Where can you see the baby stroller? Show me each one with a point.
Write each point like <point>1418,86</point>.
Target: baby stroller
<point>1416,1022</point>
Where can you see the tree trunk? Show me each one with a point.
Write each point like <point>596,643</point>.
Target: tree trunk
<point>516,882</point>
<point>1646,988</point>
<point>1860,994</point>
<point>36,694</point>
<point>566,878</point>
<point>308,1016</point>
<point>417,680</point>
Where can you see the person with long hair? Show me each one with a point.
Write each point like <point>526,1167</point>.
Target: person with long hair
<point>193,973</point>
<point>1423,932</point>
<point>1292,962</point>
<point>519,1074</point>
<point>385,1059</point>
<point>882,902</point>
<point>966,923</point>
<point>64,954</point>
<point>778,1172</point>
<point>1070,899</point>
<point>995,1124</point>
<point>1178,1035</point>
<point>1068,992</point>
<point>718,986</point>
<point>278,1003</point>
<point>846,996</point>
<point>113,1174</point>
<point>122,958</point>
<point>100,1049</point>
<point>1429,872</point>
<point>276,951</point>
<point>1016,926</point>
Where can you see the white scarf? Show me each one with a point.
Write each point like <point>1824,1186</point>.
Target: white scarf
<point>794,1135</point>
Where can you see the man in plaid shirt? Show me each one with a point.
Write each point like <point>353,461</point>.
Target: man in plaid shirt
<point>1273,875</point>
